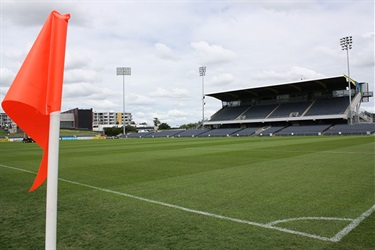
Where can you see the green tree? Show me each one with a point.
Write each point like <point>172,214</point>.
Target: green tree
<point>189,126</point>
<point>156,122</point>
<point>130,129</point>
<point>164,126</point>
<point>112,131</point>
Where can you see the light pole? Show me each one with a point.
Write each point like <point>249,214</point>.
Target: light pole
<point>123,71</point>
<point>346,44</point>
<point>202,73</point>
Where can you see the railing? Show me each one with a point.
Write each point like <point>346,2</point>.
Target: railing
<point>368,94</point>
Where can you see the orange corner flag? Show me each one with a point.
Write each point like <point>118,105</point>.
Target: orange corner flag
<point>37,88</point>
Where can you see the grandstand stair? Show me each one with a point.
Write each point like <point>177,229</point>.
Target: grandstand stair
<point>308,108</point>
<point>272,111</point>
<point>259,131</point>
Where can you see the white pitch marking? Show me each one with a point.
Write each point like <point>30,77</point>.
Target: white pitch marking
<point>306,151</point>
<point>19,169</point>
<point>307,218</point>
<point>352,225</point>
<point>336,238</point>
<point>202,212</point>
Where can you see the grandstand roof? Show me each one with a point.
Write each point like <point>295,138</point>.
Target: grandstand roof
<point>324,84</point>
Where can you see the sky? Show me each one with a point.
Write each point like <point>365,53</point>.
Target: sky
<point>243,44</point>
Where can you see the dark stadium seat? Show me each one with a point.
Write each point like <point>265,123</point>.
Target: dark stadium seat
<point>164,133</point>
<point>355,129</point>
<point>229,113</point>
<point>192,132</point>
<point>304,130</point>
<point>259,112</point>
<point>288,109</point>
<point>138,135</point>
<point>271,131</point>
<point>246,132</point>
<point>328,106</point>
<point>220,132</point>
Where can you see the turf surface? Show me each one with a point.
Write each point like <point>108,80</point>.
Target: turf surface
<point>256,180</point>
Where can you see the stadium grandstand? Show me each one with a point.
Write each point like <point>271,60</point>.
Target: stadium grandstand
<point>307,107</point>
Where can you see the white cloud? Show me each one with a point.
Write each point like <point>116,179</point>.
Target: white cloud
<point>243,44</point>
<point>136,100</point>
<point>172,116</point>
<point>367,106</point>
<point>170,93</point>
<point>212,54</point>
<point>83,90</point>
<point>287,6</point>
<point>6,77</point>
<point>295,73</point>
<point>177,113</point>
<point>81,75</point>
<point>164,52</point>
<point>222,79</point>
<point>76,60</point>
<point>362,53</point>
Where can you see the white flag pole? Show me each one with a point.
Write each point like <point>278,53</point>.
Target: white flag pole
<point>52,180</point>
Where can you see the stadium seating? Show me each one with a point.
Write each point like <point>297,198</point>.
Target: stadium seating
<point>340,129</point>
<point>355,129</point>
<point>246,132</point>
<point>191,133</point>
<point>271,131</point>
<point>220,132</point>
<point>286,109</point>
<point>164,133</point>
<point>138,135</point>
<point>229,113</point>
<point>259,112</point>
<point>323,106</point>
<point>328,106</point>
<point>304,130</point>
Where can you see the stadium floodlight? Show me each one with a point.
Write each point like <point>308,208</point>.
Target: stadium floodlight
<point>346,44</point>
<point>202,73</point>
<point>123,71</point>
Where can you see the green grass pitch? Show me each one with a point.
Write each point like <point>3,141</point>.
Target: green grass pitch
<point>195,193</point>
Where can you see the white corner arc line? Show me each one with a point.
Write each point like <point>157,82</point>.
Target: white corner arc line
<point>308,218</point>
<point>353,225</point>
<point>336,238</point>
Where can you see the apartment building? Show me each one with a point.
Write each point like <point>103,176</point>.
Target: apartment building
<point>110,119</point>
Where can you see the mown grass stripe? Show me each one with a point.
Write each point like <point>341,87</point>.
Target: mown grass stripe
<point>336,238</point>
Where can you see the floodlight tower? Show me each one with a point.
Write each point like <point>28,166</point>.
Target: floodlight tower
<point>346,44</point>
<point>123,71</point>
<point>202,73</point>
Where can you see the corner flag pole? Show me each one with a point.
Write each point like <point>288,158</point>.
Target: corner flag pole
<point>38,114</point>
<point>52,180</point>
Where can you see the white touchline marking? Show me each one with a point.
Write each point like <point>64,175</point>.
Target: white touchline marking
<point>19,169</point>
<point>353,225</point>
<point>320,152</point>
<point>200,212</point>
<point>336,238</point>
